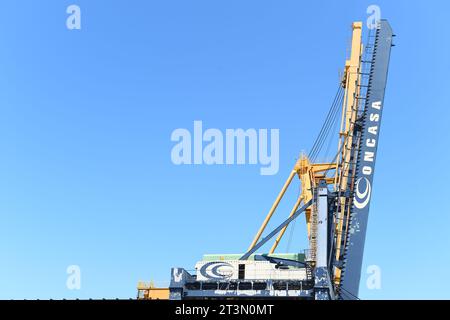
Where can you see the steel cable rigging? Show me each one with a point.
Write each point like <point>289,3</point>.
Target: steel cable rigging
<point>327,125</point>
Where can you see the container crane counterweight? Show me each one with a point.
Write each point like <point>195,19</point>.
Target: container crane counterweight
<point>335,198</point>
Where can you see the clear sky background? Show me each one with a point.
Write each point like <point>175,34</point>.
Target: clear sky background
<point>86,116</point>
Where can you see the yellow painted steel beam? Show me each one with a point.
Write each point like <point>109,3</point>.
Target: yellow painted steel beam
<point>318,167</point>
<point>273,208</point>
<point>306,172</point>
<point>351,80</point>
<point>278,239</point>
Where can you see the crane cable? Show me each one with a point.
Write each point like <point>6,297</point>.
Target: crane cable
<point>348,293</point>
<point>328,127</point>
<point>328,123</point>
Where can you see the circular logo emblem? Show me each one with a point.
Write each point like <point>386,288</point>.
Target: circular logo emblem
<point>217,270</point>
<point>362,198</point>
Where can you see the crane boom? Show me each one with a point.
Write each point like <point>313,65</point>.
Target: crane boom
<point>370,130</point>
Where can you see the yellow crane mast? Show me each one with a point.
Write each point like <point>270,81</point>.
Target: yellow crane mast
<point>336,174</point>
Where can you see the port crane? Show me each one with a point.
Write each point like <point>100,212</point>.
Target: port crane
<point>334,198</point>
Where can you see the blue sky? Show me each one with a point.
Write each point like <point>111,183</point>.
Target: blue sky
<point>86,176</point>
